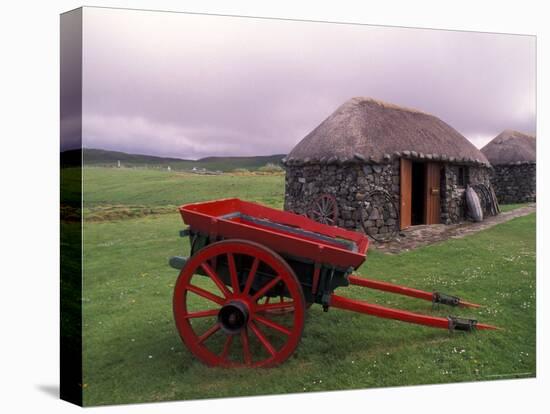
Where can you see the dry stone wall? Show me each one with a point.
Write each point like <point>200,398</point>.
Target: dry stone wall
<point>453,203</point>
<point>515,183</point>
<point>350,183</point>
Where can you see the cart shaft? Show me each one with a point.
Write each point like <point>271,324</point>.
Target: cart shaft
<point>406,316</point>
<point>435,297</point>
<point>389,287</point>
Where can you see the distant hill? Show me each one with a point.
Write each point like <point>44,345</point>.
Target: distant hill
<point>230,163</point>
<point>94,156</point>
<point>111,158</point>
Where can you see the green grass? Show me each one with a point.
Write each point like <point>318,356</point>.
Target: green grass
<point>112,193</point>
<point>132,351</point>
<point>510,207</point>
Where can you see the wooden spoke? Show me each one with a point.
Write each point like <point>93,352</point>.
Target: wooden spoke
<point>264,341</point>
<point>226,346</point>
<point>272,325</point>
<point>211,331</point>
<point>320,209</point>
<point>205,294</point>
<point>243,301</point>
<point>215,278</point>
<point>251,275</point>
<point>233,273</point>
<point>266,288</point>
<point>202,314</point>
<point>324,209</point>
<point>246,347</point>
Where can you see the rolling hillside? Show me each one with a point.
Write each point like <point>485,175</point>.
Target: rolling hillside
<point>100,157</point>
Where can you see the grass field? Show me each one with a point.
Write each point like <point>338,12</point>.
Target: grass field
<point>112,193</point>
<point>132,351</point>
<point>510,207</point>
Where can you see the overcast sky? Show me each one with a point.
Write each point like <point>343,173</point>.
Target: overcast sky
<point>190,86</point>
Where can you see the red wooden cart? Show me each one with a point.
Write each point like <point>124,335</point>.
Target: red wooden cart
<point>263,268</point>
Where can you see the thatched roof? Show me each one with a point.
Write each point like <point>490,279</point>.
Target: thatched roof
<point>367,129</point>
<point>511,147</point>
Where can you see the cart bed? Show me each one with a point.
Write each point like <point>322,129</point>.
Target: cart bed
<point>286,233</point>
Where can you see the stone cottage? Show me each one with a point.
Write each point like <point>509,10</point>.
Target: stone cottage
<point>419,161</point>
<point>513,156</point>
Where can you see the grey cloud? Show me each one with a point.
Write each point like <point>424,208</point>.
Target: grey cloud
<point>209,85</point>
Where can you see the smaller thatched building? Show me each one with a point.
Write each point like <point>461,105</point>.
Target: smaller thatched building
<point>513,156</point>
<point>421,163</point>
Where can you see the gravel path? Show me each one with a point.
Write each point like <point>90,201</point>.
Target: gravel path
<point>418,236</point>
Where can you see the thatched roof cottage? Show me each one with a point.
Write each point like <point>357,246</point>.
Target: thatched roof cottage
<point>421,162</point>
<point>514,157</point>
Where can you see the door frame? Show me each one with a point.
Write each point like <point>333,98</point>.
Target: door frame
<point>432,193</point>
<point>405,193</point>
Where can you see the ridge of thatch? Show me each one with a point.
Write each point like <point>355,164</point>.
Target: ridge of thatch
<point>511,147</point>
<point>367,129</point>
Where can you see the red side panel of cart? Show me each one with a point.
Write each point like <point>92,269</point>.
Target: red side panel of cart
<point>294,235</point>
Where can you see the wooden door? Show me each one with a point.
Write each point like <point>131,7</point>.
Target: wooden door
<point>406,193</point>
<point>432,193</point>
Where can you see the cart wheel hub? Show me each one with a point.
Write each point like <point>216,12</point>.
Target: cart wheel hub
<point>233,317</point>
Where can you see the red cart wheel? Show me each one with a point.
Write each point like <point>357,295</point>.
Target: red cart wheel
<point>221,318</point>
<point>324,209</point>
